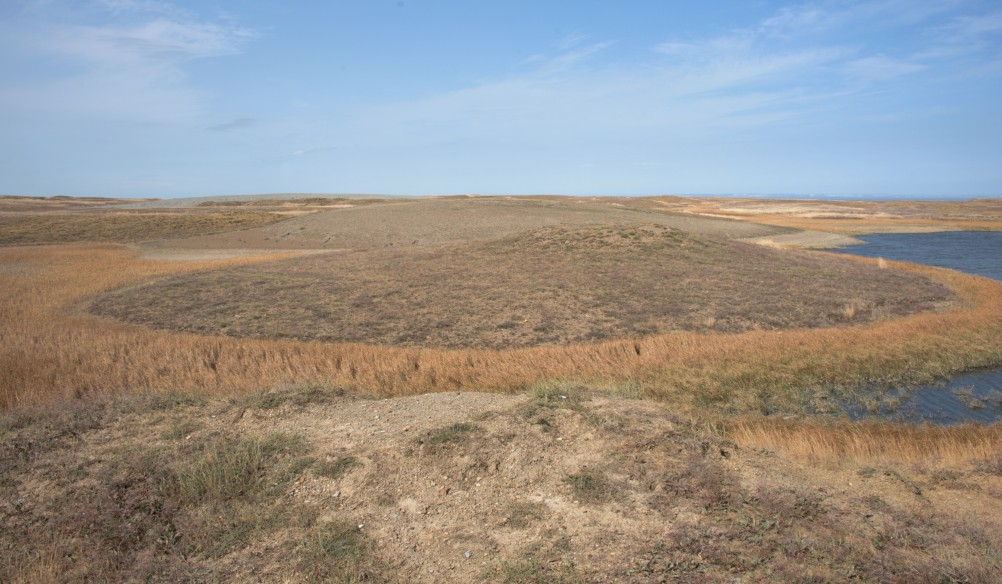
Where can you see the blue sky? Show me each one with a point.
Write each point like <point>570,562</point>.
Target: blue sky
<point>161,98</point>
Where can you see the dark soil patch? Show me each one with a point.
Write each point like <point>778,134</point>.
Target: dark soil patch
<point>549,286</point>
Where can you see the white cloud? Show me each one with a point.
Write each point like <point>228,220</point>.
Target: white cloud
<point>131,68</point>
<point>789,65</point>
<point>795,20</point>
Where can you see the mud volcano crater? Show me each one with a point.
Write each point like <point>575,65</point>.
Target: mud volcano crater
<point>554,285</point>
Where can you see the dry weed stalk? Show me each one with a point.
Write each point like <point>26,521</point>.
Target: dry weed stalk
<point>871,441</point>
<point>50,350</point>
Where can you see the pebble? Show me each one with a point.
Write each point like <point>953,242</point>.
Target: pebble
<point>468,554</point>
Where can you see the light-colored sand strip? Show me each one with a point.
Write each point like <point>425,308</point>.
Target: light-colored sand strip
<point>806,240</point>
<point>195,255</point>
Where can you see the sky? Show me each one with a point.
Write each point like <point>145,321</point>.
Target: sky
<point>159,98</point>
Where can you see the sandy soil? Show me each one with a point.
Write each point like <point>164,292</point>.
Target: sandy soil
<point>807,239</point>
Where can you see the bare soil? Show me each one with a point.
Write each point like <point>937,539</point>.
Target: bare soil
<point>553,285</point>
<point>561,485</point>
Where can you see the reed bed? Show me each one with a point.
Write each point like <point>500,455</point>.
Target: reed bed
<point>872,441</point>
<point>50,350</point>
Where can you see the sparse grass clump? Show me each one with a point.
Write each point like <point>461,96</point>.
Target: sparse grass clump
<point>298,396</point>
<point>523,514</point>
<point>589,486</point>
<point>556,395</point>
<point>450,434</point>
<point>180,429</point>
<point>532,570</point>
<point>338,552</point>
<point>162,511</point>
<point>337,468</point>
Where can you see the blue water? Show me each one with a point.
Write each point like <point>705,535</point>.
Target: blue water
<point>974,396</point>
<point>974,252</point>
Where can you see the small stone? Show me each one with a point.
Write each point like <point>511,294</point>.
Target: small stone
<point>468,554</point>
<point>443,491</point>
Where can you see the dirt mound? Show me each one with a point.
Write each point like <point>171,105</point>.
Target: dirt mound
<point>554,285</point>
<point>561,485</point>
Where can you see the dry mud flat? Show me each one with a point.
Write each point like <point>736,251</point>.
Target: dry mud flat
<point>561,485</point>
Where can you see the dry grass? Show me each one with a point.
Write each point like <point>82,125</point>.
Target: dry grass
<point>121,227</point>
<point>872,441</point>
<point>50,352</point>
<point>555,285</point>
<point>59,203</point>
<point>853,217</point>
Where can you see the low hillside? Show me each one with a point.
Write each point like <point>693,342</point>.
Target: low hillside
<point>554,285</point>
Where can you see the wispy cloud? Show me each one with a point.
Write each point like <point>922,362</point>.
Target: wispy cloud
<point>790,64</point>
<point>236,124</point>
<point>118,58</point>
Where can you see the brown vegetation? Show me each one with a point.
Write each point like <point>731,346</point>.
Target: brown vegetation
<point>121,226</point>
<point>50,352</point>
<point>871,441</point>
<point>555,285</point>
<point>10,203</point>
<point>428,222</point>
<point>854,217</point>
<point>291,475</point>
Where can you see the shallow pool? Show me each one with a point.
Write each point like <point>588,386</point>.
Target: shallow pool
<point>971,397</point>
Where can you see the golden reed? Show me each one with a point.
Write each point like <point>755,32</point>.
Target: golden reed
<point>51,350</point>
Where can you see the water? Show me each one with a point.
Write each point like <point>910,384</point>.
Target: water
<point>972,397</point>
<point>974,252</point>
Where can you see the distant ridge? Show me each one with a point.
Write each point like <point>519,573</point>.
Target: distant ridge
<point>184,202</point>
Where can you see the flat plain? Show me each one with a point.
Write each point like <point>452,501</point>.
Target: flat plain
<point>292,387</point>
